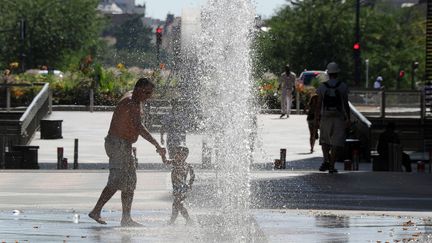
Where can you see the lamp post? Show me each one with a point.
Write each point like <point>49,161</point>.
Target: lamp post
<point>357,57</point>
<point>414,68</point>
<point>367,73</point>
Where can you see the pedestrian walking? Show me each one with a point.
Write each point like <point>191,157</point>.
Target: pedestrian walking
<point>333,116</point>
<point>125,127</point>
<point>179,174</point>
<point>286,85</point>
<point>313,129</point>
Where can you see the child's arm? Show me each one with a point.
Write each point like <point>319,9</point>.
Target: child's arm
<point>192,176</point>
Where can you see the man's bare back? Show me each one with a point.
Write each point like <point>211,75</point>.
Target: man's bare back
<point>126,119</point>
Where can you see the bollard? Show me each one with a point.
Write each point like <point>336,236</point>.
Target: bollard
<point>348,165</point>
<point>420,166</point>
<point>283,158</point>
<point>75,163</point>
<point>64,165</point>
<point>60,151</point>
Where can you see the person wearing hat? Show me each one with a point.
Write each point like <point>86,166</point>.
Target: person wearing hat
<point>286,83</point>
<point>378,83</point>
<point>333,116</point>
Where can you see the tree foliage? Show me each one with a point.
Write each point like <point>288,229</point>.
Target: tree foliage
<point>58,32</point>
<point>132,35</point>
<point>311,33</point>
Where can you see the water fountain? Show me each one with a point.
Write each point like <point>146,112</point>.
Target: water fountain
<point>225,91</point>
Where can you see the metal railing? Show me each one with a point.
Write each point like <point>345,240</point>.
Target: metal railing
<point>38,108</point>
<point>389,103</point>
<point>18,127</point>
<point>361,129</point>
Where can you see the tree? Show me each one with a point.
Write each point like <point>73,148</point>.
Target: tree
<point>132,35</point>
<point>310,33</point>
<point>57,31</point>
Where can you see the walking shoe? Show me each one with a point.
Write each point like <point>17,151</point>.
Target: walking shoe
<point>324,166</point>
<point>333,171</point>
<point>282,115</point>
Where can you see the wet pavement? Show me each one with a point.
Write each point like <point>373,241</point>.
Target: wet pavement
<point>268,226</point>
<point>355,207</point>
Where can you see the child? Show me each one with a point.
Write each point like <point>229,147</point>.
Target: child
<point>179,174</point>
<point>313,128</point>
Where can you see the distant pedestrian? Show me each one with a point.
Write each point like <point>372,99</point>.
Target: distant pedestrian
<point>428,95</point>
<point>173,124</point>
<point>313,129</point>
<point>333,116</point>
<point>389,136</point>
<point>286,83</point>
<point>378,83</point>
<point>125,128</point>
<point>179,174</point>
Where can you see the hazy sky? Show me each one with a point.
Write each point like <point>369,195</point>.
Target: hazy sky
<point>159,8</point>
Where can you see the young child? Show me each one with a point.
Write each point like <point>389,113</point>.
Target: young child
<point>179,174</point>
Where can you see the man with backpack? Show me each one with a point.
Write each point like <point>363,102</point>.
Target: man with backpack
<point>333,116</point>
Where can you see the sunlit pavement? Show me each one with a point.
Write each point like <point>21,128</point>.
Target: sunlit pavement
<point>91,128</point>
<point>286,207</point>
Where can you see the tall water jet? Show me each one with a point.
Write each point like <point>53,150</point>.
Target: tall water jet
<point>226,103</point>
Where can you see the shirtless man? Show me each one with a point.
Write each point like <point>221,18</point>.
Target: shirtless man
<point>124,130</point>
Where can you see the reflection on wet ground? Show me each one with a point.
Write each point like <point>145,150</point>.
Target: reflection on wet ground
<point>265,226</point>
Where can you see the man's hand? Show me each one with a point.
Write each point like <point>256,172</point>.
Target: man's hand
<point>161,150</point>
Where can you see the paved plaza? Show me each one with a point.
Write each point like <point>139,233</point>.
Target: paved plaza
<point>91,128</point>
<point>52,206</point>
<point>298,204</point>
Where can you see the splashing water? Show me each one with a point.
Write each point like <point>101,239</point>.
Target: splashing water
<point>226,97</point>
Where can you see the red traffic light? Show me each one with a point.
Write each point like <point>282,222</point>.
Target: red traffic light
<point>356,46</point>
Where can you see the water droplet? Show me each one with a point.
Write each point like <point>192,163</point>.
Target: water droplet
<point>16,212</point>
<point>76,218</point>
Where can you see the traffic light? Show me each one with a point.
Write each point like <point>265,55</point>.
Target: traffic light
<point>357,62</point>
<point>159,31</point>
<point>356,46</point>
<point>401,73</point>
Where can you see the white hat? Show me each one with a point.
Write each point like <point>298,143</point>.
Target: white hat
<point>333,68</point>
<point>379,78</point>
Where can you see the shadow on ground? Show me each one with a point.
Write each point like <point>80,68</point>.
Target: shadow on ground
<point>350,191</point>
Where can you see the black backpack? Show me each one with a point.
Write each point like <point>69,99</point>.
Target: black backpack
<point>332,100</point>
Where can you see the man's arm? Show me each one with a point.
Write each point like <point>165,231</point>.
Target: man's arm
<point>280,82</point>
<point>317,116</point>
<point>142,130</point>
